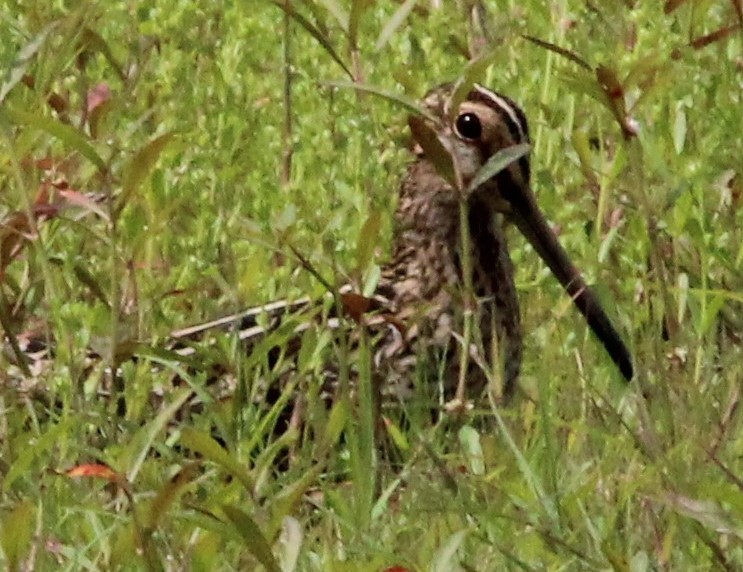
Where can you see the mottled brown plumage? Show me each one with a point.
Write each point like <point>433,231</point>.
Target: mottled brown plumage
<point>423,286</point>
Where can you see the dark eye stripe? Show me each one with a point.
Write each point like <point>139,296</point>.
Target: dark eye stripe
<point>513,116</point>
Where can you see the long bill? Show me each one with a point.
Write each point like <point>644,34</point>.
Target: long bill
<point>525,213</point>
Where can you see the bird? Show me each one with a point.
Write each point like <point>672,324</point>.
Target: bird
<point>446,298</point>
<point>450,263</point>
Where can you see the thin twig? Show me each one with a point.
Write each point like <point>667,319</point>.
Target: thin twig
<point>288,151</point>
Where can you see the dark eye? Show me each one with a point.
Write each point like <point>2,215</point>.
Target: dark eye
<point>469,126</point>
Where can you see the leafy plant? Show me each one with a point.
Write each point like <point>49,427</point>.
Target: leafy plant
<point>168,163</point>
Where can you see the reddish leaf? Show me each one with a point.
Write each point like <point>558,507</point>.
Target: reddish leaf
<point>610,82</point>
<point>738,7</point>
<point>16,229</point>
<point>614,91</point>
<point>98,95</point>
<point>713,37</point>
<point>76,198</point>
<point>736,190</point>
<point>97,471</point>
<point>435,150</point>
<point>42,197</point>
<point>671,5</point>
<point>572,56</point>
<point>45,164</point>
<point>704,41</point>
<point>55,101</point>
<point>45,211</point>
<point>356,305</point>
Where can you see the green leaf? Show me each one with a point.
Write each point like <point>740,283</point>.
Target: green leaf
<point>607,243</point>
<point>368,239</point>
<point>141,164</point>
<point>397,435</point>
<point>338,12</point>
<point>169,493</point>
<point>445,558</point>
<point>25,56</point>
<point>706,512</point>
<point>315,33</point>
<point>358,7</point>
<point>252,536</point>
<point>472,73</point>
<point>291,543</point>
<point>395,98</point>
<point>68,135</point>
<point>16,534</point>
<point>94,41</point>
<point>469,440</point>
<point>307,350</point>
<point>682,283</point>
<point>679,128</point>
<point>712,309</point>
<point>34,448</point>
<point>497,163</point>
<point>286,218</point>
<point>287,499</point>
<point>336,422</point>
<point>581,82</point>
<point>140,445</point>
<point>207,447</point>
<point>583,149</point>
<point>395,22</point>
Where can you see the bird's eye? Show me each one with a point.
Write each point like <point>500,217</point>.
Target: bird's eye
<point>468,126</point>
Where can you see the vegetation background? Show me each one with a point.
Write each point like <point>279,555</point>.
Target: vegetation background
<point>162,163</point>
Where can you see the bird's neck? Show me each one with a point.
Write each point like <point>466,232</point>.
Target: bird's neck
<point>426,264</point>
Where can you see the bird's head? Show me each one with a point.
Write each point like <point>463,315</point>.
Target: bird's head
<point>478,142</point>
<point>471,132</point>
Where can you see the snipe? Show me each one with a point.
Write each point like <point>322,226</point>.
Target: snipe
<point>418,309</point>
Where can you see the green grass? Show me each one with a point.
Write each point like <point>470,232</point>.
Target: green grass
<point>579,473</point>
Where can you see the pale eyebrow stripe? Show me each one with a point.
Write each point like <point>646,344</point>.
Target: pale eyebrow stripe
<point>506,107</point>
